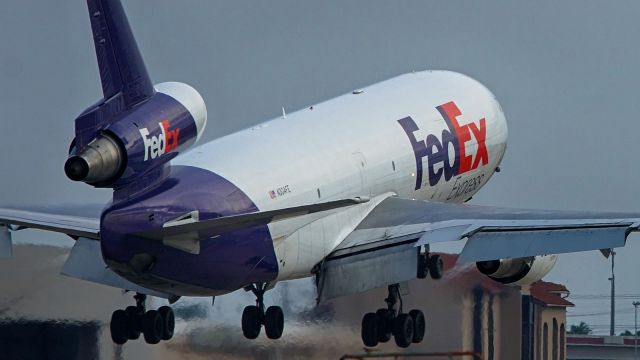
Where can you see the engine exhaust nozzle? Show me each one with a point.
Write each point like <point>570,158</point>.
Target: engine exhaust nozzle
<point>99,162</point>
<point>76,168</point>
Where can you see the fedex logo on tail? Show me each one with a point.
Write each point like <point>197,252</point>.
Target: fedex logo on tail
<point>166,141</point>
<point>436,150</point>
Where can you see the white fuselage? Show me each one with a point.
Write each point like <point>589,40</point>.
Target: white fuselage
<point>354,145</point>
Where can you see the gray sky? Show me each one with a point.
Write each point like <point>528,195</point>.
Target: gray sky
<point>566,74</point>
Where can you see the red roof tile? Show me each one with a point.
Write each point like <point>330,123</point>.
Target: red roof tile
<point>550,294</point>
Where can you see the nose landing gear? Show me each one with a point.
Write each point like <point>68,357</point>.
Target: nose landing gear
<point>380,326</point>
<point>155,325</point>
<point>255,316</point>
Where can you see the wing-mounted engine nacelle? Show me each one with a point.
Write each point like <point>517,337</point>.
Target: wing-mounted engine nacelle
<point>144,138</point>
<point>521,271</point>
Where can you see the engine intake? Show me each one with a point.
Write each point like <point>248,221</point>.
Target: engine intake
<point>520,271</point>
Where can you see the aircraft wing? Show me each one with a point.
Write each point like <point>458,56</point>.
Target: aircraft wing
<point>383,248</point>
<point>73,220</point>
<point>82,222</point>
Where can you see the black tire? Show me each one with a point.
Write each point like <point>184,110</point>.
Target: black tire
<point>152,327</point>
<point>419,325</point>
<point>369,333</point>
<point>403,330</point>
<point>274,322</point>
<point>168,322</point>
<point>385,328</point>
<point>436,266</point>
<point>118,327</point>
<point>133,322</point>
<point>251,321</point>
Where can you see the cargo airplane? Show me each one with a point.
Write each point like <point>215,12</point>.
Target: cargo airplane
<point>352,191</point>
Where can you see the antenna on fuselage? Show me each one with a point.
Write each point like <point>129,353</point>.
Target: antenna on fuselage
<point>284,114</point>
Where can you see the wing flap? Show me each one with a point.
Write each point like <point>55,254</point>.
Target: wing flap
<point>491,245</point>
<point>493,233</point>
<point>384,247</point>
<point>366,270</point>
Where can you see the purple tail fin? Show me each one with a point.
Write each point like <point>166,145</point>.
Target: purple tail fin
<point>124,77</point>
<point>122,70</point>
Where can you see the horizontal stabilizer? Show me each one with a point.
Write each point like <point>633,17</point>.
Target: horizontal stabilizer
<point>208,228</point>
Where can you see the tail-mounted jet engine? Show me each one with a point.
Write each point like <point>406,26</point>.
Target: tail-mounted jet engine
<point>521,271</point>
<point>136,127</point>
<point>149,135</point>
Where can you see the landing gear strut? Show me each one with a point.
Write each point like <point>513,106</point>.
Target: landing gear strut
<point>430,265</point>
<point>155,325</point>
<point>380,326</point>
<point>254,316</point>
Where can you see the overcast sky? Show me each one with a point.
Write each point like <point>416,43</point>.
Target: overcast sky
<point>566,74</point>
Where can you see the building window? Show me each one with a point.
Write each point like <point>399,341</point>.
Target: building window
<point>563,345</point>
<point>545,342</point>
<point>555,339</point>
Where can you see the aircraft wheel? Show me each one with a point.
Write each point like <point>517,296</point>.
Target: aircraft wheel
<point>152,327</point>
<point>419,325</point>
<point>436,266</point>
<point>168,322</point>
<point>385,321</point>
<point>403,330</point>
<point>118,327</point>
<point>370,323</point>
<point>274,322</point>
<point>133,322</point>
<point>251,321</point>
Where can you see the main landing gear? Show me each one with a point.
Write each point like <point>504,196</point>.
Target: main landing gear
<point>409,328</point>
<point>255,316</point>
<point>430,265</point>
<point>380,326</point>
<point>155,325</point>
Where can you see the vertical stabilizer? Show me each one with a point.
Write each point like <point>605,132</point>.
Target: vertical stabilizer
<point>122,70</point>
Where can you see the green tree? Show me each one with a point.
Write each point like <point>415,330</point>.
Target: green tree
<point>580,329</point>
<point>628,333</point>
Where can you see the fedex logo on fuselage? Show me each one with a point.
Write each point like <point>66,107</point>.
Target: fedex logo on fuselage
<point>436,150</point>
<point>155,146</point>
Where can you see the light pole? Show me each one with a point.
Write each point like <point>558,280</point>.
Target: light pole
<point>635,330</point>
<point>612,330</point>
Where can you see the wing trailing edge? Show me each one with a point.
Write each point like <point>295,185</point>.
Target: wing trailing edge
<point>385,247</point>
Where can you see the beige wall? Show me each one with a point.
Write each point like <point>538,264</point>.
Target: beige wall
<point>510,319</point>
<point>547,315</point>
